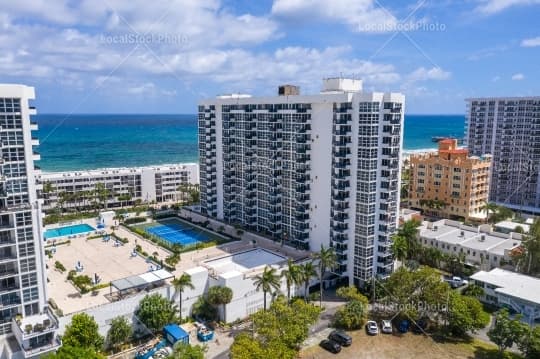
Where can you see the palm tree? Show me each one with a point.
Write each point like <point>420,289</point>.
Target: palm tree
<point>291,277</point>
<point>305,272</point>
<point>219,295</point>
<point>400,248</point>
<point>327,259</point>
<point>267,281</point>
<point>489,207</point>
<point>180,284</point>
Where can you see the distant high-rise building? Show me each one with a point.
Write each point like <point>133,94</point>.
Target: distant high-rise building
<point>508,129</point>
<point>309,170</point>
<point>449,183</point>
<point>27,328</point>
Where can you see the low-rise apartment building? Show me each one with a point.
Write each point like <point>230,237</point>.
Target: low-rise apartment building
<point>125,186</point>
<point>518,292</point>
<point>449,183</point>
<point>482,247</point>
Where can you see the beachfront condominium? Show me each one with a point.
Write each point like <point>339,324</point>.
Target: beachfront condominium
<point>27,328</point>
<point>120,186</point>
<point>509,129</point>
<point>449,183</point>
<point>309,170</point>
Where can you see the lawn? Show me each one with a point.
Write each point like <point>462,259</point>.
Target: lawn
<point>408,346</point>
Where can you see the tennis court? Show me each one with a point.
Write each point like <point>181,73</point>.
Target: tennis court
<point>174,231</point>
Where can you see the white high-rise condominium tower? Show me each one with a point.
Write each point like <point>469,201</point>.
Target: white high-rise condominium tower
<point>310,170</point>
<point>509,129</point>
<point>27,328</point>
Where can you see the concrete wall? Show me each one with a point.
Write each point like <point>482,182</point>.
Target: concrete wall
<point>321,165</point>
<point>103,314</point>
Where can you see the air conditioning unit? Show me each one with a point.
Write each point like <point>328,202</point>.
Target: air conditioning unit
<point>435,228</point>
<point>462,234</point>
<point>483,238</point>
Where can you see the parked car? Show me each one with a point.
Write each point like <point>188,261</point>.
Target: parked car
<point>340,337</point>
<point>386,326</point>
<point>456,282</point>
<point>330,345</point>
<point>372,328</point>
<point>420,326</point>
<point>404,326</point>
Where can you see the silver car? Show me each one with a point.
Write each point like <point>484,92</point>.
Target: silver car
<point>386,326</point>
<point>372,328</point>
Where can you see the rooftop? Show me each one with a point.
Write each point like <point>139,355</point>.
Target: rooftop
<point>511,226</point>
<point>512,284</point>
<point>117,170</point>
<point>480,238</point>
<point>244,262</point>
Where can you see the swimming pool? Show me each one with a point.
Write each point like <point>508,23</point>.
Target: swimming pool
<point>68,230</point>
<point>178,233</point>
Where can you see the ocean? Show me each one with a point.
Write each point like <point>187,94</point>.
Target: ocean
<point>79,142</point>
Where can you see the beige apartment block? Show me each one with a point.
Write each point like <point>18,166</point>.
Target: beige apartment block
<point>449,183</point>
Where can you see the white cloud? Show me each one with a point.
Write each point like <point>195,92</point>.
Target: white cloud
<point>360,15</point>
<point>144,89</point>
<point>518,77</point>
<point>533,42</point>
<point>490,7</point>
<point>495,78</point>
<point>423,74</point>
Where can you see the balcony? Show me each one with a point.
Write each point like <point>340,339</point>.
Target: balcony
<point>36,334</point>
<point>339,237</point>
<point>340,227</point>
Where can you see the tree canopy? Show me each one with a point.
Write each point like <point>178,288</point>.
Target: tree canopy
<point>155,311</point>
<point>505,332</point>
<point>219,295</point>
<point>278,331</point>
<point>183,350</point>
<point>528,260</point>
<point>82,332</point>
<point>180,284</point>
<point>465,314</point>
<point>119,333</point>
<point>267,281</point>
<point>353,314</point>
<point>71,352</point>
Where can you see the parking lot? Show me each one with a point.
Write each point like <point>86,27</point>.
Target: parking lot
<point>407,346</point>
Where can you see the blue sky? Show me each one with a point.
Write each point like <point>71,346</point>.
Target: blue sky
<point>162,56</point>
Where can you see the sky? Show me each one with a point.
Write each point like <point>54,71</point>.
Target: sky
<point>162,56</point>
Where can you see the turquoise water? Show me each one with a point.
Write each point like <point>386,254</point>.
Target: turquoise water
<point>174,232</point>
<point>79,142</point>
<point>68,230</point>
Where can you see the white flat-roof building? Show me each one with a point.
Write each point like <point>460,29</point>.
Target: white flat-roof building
<point>126,186</point>
<point>481,246</point>
<point>310,170</point>
<point>518,292</point>
<point>509,226</point>
<point>236,271</point>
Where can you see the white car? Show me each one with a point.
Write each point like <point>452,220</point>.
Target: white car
<point>386,327</point>
<point>372,328</point>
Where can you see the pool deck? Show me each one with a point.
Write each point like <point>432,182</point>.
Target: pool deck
<point>112,263</point>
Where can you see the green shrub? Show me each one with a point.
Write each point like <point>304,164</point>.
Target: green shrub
<point>133,220</point>
<point>59,266</point>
